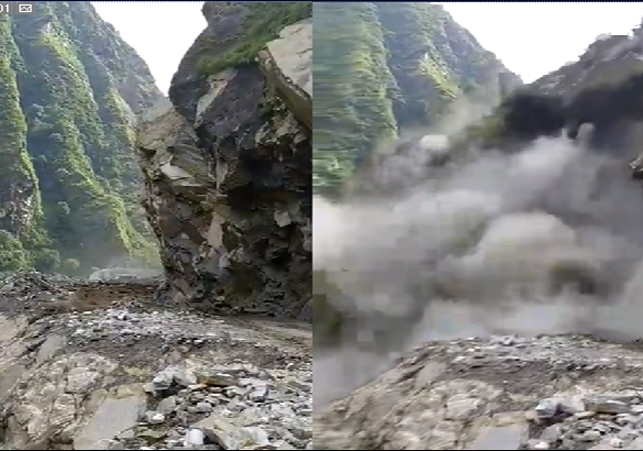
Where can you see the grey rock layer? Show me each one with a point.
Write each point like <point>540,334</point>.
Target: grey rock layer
<point>227,170</point>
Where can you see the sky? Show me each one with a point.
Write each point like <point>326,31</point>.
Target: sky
<point>160,32</point>
<point>533,39</point>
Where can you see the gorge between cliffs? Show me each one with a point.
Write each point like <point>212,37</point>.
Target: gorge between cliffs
<point>460,252</point>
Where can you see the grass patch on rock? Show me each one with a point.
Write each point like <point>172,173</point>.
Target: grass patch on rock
<point>264,22</point>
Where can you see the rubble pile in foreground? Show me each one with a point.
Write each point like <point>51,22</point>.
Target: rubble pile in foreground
<point>97,366</point>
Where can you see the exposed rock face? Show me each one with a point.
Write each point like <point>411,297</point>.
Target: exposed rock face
<point>227,175</point>
<point>287,64</point>
<point>97,366</point>
<point>602,88</point>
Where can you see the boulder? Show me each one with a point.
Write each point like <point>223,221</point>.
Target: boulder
<point>227,174</point>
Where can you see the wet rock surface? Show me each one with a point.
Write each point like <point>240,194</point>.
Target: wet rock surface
<point>124,374</point>
<point>550,392</point>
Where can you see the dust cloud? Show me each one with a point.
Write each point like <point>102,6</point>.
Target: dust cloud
<point>546,240</point>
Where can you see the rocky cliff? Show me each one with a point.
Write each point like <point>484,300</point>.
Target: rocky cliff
<point>601,89</point>
<point>226,163</point>
<point>381,67</point>
<point>69,89</point>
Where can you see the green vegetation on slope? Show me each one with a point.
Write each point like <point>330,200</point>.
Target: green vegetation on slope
<point>416,41</point>
<point>263,23</point>
<point>20,204</point>
<point>353,88</point>
<point>384,66</point>
<point>66,113</point>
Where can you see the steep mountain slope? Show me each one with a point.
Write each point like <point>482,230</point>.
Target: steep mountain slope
<point>69,89</point>
<point>383,66</point>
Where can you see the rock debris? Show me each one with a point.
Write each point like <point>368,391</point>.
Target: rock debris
<point>126,375</point>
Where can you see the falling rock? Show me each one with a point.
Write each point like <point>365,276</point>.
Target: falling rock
<point>282,218</point>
